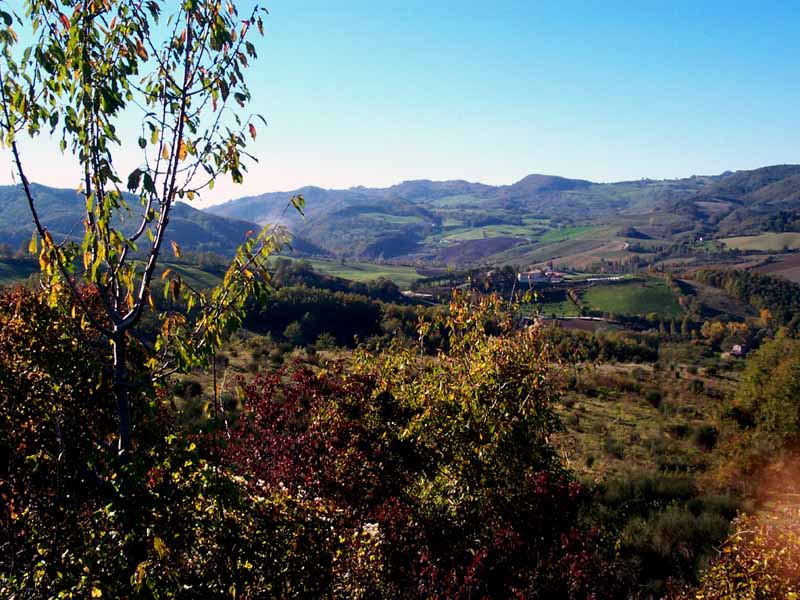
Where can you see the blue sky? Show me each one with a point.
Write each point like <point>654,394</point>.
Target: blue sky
<point>373,93</point>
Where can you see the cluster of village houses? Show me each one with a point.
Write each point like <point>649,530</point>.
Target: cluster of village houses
<point>545,275</point>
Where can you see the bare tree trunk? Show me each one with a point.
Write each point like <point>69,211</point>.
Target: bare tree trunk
<point>121,394</point>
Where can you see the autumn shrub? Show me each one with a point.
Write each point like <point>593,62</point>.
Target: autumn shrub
<point>760,560</point>
<point>763,418</point>
<point>705,436</point>
<point>439,474</point>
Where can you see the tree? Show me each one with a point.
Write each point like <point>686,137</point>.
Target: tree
<point>89,71</point>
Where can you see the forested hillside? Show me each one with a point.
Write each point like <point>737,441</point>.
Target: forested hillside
<point>535,219</point>
<point>63,214</point>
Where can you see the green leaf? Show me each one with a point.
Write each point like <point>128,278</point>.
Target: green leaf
<point>134,178</point>
<point>142,143</point>
<point>6,18</point>
<point>149,185</point>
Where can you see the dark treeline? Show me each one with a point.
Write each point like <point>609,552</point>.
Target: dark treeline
<point>306,306</point>
<point>287,273</point>
<point>575,346</point>
<point>300,315</point>
<point>779,296</point>
<point>782,221</point>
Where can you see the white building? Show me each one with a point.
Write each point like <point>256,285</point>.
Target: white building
<point>535,276</point>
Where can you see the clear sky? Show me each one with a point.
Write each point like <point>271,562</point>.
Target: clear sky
<point>376,92</point>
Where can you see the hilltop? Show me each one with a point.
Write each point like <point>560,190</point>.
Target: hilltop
<point>573,222</point>
<point>540,217</point>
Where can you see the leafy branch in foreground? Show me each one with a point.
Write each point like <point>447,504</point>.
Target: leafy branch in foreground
<point>92,68</point>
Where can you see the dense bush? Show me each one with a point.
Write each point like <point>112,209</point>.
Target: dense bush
<point>399,475</point>
<point>603,346</point>
<point>760,561</point>
<point>764,416</point>
<point>666,528</point>
<point>301,315</point>
<point>445,464</point>
<point>394,474</point>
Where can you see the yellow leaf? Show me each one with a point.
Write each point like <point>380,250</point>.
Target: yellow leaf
<point>165,274</point>
<point>96,593</point>
<point>182,151</point>
<point>165,153</point>
<point>140,50</point>
<point>33,246</point>
<point>190,195</point>
<point>160,546</point>
<point>150,300</point>
<point>176,249</point>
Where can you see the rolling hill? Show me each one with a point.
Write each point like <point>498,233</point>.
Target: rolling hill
<point>61,211</point>
<point>539,218</point>
<point>459,222</point>
<point>741,203</point>
<point>571,222</point>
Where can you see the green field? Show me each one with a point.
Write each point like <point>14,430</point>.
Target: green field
<point>532,231</point>
<point>196,278</point>
<point>362,271</point>
<point>489,231</point>
<point>565,233</point>
<point>633,298</point>
<point>567,308</point>
<point>396,219</point>
<point>768,242</point>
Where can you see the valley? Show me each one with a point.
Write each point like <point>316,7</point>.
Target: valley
<point>647,300</point>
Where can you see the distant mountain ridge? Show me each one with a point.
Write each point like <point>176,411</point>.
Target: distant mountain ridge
<point>532,190</point>
<point>538,218</point>
<point>462,222</point>
<point>62,212</point>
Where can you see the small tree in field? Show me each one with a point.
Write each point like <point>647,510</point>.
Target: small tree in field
<point>89,70</point>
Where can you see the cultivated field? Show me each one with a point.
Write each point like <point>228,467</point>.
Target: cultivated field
<point>363,271</point>
<point>767,242</point>
<point>635,298</point>
<point>787,267</point>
